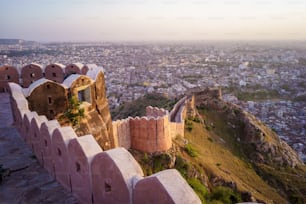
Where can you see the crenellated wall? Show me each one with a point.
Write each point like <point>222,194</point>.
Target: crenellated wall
<point>50,96</point>
<point>153,133</point>
<point>30,73</point>
<point>94,175</point>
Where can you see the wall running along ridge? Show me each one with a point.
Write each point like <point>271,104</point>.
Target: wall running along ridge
<point>154,132</point>
<point>91,174</point>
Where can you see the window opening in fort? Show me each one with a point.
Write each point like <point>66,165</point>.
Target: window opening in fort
<point>78,167</point>
<point>84,95</point>
<point>32,75</point>
<point>107,187</point>
<point>59,152</point>
<point>8,77</point>
<point>49,100</point>
<point>54,74</point>
<point>48,86</point>
<point>46,143</point>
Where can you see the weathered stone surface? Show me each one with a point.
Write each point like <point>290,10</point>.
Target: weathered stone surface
<point>165,185</point>
<point>112,176</point>
<point>60,139</point>
<point>8,74</point>
<point>55,72</point>
<point>36,136</point>
<point>81,153</point>
<point>46,131</point>
<point>28,182</point>
<point>30,73</point>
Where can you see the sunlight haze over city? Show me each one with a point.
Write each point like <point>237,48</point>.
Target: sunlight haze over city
<point>140,20</point>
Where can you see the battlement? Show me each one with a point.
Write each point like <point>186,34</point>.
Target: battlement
<point>26,75</point>
<point>154,132</point>
<point>91,174</point>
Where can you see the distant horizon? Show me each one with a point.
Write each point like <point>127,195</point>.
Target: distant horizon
<point>159,20</point>
<point>164,41</point>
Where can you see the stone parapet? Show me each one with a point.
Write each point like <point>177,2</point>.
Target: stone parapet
<point>94,176</point>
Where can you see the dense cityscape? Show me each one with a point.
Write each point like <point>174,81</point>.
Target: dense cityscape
<point>266,79</point>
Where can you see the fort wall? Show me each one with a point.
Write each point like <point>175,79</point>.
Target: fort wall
<point>94,176</point>
<point>30,73</point>
<point>49,96</point>
<point>153,133</point>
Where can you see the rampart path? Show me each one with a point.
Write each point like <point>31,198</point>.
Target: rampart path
<point>28,182</point>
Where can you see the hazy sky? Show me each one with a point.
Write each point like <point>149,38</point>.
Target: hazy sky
<point>125,20</point>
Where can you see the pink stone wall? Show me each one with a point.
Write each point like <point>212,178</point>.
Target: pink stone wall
<point>81,152</point>
<point>155,112</point>
<point>19,104</point>
<point>46,131</point>
<point>8,74</point>
<point>121,130</point>
<point>150,134</point>
<point>30,73</point>
<point>35,137</point>
<point>169,187</point>
<point>143,192</point>
<point>72,69</point>
<point>60,139</point>
<point>27,130</point>
<point>55,72</point>
<point>112,176</point>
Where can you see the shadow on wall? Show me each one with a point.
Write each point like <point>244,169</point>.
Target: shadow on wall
<point>91,174</point>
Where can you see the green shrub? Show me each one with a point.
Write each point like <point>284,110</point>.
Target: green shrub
<point>181,165</point>
<point>74,113</point>
<point>145,158</point>
<point>225,194</point>
<point>190,150</point>
<point>199,188</point>
<point>161,162</point>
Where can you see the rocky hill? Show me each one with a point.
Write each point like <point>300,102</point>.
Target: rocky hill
<point>229,156</point>
<point>260,143</point>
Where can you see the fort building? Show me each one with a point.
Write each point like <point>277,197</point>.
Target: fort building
<point>93,166</point>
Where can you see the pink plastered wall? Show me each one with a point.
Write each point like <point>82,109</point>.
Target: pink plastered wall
<point>113,176</point>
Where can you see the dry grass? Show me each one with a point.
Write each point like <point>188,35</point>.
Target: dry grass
<point>216,156</point>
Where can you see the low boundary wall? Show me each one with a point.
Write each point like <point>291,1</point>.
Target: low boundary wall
<point>91,174</point>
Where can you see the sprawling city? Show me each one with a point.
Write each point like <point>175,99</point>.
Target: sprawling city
<point>265,78</point>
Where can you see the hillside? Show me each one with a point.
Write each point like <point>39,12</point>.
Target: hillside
<point>229,156</point>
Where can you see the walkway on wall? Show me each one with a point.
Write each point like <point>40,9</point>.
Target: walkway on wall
<point>28,182</point>
<point>178,114</point>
